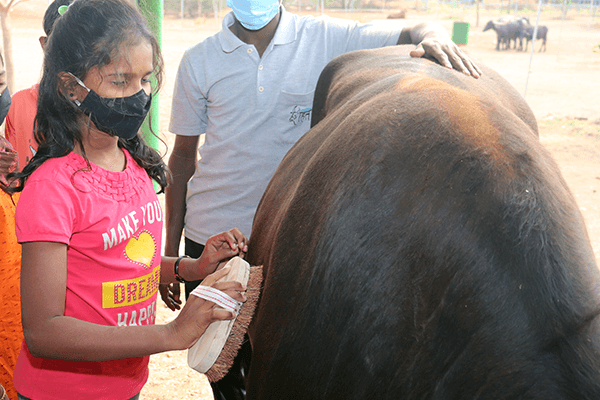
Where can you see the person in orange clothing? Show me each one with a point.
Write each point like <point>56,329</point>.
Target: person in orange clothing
<point>19,121</point>
<point>11,331</point>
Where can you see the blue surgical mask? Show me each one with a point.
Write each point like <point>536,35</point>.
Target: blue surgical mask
<point>254,14</point>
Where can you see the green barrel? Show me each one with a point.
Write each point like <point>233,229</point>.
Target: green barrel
<point>460,32</point>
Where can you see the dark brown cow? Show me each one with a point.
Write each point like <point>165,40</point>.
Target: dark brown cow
<point>419,243</point>
<point>507,30</point>
<point>527,34</point>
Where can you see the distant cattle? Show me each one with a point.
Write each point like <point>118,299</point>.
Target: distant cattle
<point>508,29</point>
<point>542,33</point>
<point>420,243</point>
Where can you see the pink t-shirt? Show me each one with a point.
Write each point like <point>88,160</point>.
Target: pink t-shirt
<point>112,224</point>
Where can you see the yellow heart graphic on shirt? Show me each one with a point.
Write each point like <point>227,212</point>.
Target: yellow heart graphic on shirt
<point>141,249</point>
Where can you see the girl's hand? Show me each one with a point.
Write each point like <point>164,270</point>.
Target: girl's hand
<point>221,248</point>
<point>198,314</point>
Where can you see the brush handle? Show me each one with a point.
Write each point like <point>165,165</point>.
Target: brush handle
<point>203,354</point>
<point>218,297</point>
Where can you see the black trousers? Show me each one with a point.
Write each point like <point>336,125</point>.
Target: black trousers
<point>232,386</point>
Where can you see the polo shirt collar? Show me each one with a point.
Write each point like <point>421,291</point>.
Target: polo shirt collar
<point>286,31</point>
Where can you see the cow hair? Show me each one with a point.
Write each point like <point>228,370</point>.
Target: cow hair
<point>419,243</point>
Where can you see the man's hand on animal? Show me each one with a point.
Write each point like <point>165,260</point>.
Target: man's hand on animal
<point>448,54</point>
<point>433,42</point>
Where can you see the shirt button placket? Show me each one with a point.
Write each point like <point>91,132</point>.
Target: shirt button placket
<point>260,88</point>
<point>260,67</point>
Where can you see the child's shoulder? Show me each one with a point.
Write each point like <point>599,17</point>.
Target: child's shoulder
<point>58,169</point>
<point>52,179</point>
<point>26,95</point>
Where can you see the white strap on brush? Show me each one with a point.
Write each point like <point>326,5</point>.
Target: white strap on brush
<point>221,299</point>
<point>203,354</point>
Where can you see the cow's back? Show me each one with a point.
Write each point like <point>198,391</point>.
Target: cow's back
<point>419,243</point>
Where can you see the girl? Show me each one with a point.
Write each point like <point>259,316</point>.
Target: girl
<point>90,223</point>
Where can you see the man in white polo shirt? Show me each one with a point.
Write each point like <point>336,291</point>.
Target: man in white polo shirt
<point>250,89</point>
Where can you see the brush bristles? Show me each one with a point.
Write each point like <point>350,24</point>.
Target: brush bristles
<point>240,326</point>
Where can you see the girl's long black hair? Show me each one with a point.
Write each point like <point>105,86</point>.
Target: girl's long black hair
<point>90,33</point>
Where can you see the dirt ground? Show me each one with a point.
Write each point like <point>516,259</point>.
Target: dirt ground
<point>563,90</point>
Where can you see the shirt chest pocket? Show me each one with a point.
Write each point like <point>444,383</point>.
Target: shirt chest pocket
<point>295,111</point>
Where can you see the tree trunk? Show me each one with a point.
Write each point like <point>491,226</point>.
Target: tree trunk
<point>7,47</point>
<point>9,65</point>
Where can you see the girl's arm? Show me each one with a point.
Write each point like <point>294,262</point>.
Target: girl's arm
<point>217,251</point>
<point>50,334</point>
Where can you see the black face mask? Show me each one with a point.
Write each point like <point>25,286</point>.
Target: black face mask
<point>4,104</point>
<point>120,117</point>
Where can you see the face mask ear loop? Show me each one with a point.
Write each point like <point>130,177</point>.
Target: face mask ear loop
<point>77,102</point>
<point>79,81</point>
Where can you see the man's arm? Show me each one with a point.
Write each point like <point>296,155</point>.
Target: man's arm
<point>182,164</point>
<point>433,40</point>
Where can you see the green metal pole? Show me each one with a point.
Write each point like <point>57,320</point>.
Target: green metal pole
<point>153,11</point>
